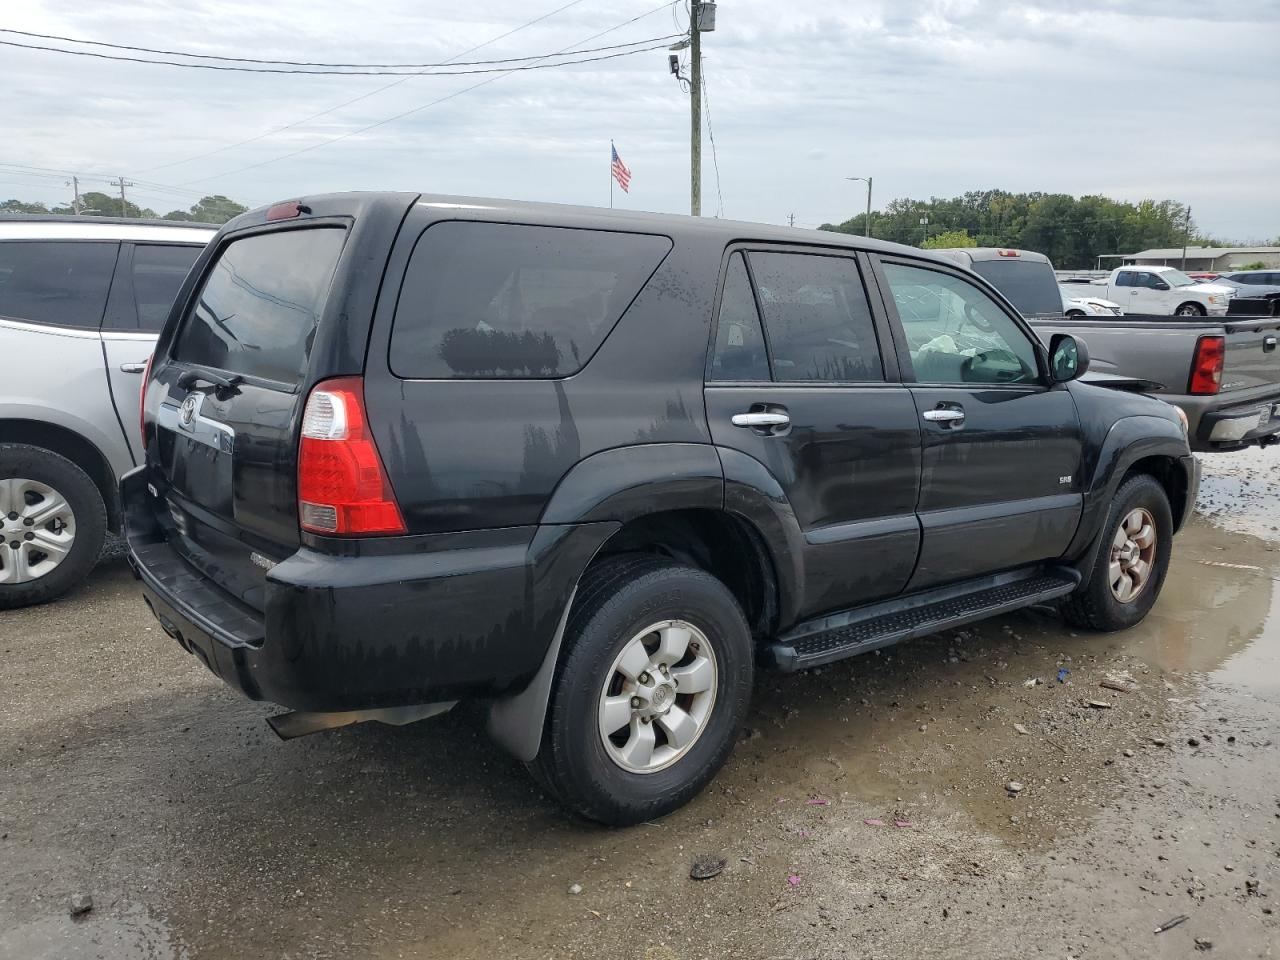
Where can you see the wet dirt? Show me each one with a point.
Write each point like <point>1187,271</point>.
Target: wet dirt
<point>129,774</point>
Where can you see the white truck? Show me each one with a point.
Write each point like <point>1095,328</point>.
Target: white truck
<point>1163,290</point>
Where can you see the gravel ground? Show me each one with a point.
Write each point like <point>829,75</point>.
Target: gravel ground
<point>129,775</point>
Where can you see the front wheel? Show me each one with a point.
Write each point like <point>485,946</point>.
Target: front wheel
<point>1190,310</point>
<point>1130,561</point>
<point>650,692</point>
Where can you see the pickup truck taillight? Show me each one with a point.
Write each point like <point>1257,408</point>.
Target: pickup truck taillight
<point>1206,366</point>
<point>142,403</point>
<point>342,485</point>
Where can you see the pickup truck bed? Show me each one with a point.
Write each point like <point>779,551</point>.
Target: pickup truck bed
<point>1162,349</point>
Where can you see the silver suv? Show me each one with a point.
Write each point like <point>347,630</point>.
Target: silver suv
<point>81,302</point>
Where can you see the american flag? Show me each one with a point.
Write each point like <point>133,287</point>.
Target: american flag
<point>620,171</point>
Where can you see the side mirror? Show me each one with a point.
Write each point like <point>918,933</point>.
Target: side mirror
<point>1161,285</point>
<point>1068,358</point>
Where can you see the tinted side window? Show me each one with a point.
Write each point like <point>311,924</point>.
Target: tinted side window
<point>60,282</point>
<point>817,317</point>
<point>260,303</point>
<point>1124,279</point>
<point>508,300</point>
<point>740,352</point>
<point>158,272</point>
<point>956,333</point>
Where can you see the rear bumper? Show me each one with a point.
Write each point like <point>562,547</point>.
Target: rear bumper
<point>370,629</point>
<point>1251,423</point>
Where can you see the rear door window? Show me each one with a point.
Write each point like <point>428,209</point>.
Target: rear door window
<point>817,318</point>
<point>486,300</point>
<point>257,310</point>
<point>59,282</point>
<point>740,351</point>
<point>158,272</point>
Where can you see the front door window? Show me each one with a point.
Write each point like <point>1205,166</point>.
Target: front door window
<point>957,333</point>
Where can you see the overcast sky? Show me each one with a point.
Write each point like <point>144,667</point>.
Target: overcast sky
<point>1128,98</point>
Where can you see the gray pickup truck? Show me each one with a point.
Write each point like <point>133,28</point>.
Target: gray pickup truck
<point>1223,372</point>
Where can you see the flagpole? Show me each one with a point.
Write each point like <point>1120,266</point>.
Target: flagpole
<point>611,149</point>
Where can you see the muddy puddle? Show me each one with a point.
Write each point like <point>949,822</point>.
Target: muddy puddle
<point>201,836</point>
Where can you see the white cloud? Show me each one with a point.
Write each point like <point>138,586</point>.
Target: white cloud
<point>1141,98</point>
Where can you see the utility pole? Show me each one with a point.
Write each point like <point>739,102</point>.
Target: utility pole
<point>121,182</point>
<point>791,219</point>
<point>695,108</point>
<point>867,224</point>
<point>74,184</point>
<point>1186,235</point>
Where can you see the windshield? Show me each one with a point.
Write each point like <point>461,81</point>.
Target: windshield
<point>1028,284</point>
<point>1176,278</point>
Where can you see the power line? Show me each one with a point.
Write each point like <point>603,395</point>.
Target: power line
<point>55,173</point>
<point>418,109</point>
<point>715,162</point>
<point>657,42</point>
<point>312,63</point>
<point>363,96</point>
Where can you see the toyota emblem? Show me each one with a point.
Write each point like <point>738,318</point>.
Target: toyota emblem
<point>187,412</point>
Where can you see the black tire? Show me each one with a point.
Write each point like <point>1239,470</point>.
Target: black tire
<point>19,460</point>
<point>616,600</point>
<point>1190,310</point>
<point>1093,605</point>
<point>1075,313</point>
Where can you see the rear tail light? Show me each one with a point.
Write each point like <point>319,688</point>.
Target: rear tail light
<point>142,402</point>
<point>1206,367</point>
<point>342,486</point>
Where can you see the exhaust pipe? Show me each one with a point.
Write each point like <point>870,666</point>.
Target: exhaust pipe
<point>299,723</point>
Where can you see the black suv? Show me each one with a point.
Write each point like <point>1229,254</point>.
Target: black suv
<point>595,467</point>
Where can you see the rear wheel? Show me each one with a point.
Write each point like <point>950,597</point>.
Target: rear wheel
<point>1190,310</point>
<point>53,522</point>
<point>650,692</point>
<point>1131,559</point>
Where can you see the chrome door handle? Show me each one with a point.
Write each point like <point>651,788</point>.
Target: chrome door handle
<point>761,420</point>
<point>943,416</point>
<point>133,367</point>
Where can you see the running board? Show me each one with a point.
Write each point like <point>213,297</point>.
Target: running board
<point>851,632</point>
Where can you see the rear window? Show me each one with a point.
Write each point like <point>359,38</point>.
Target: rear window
<point>158,272</point>
<point>258,308</point>
<point>1028,284</point>
<point>61,282</point>
<point>484,300</point>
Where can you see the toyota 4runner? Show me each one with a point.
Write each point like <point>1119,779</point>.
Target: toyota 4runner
<point>595,468</point>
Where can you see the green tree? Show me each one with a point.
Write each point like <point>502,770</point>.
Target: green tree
<point>1071,231</point>
<point>215,209</point>
<point>20,206</point>
<point>98,204</point>
<point>950,238</point>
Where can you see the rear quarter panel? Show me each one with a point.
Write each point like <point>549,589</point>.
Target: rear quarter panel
<point>471,454</point>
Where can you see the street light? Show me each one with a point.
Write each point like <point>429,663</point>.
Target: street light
<point>867,225</point>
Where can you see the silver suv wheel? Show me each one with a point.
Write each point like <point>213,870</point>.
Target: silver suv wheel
<point>658,696</point>
<point>39,529</point>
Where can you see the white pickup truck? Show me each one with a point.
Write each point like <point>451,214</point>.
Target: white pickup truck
<point>1163,290</point>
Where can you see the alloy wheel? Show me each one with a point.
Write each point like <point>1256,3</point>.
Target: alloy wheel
<point>39,529</point>
<point>658,696</point>
<point>1133,553</point>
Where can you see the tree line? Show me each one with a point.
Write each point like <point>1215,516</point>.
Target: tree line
<point>1071,231</point>
<point>211,209</point>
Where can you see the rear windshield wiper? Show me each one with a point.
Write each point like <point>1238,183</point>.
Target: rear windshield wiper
<point>190,378</point>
